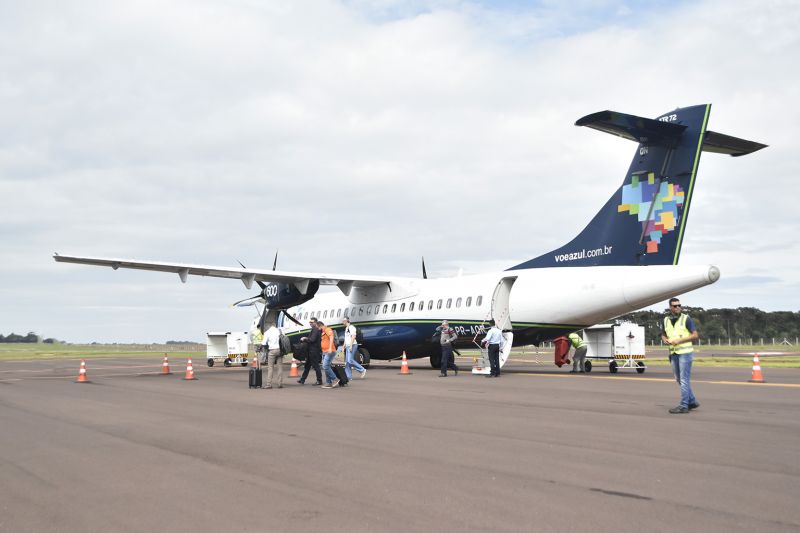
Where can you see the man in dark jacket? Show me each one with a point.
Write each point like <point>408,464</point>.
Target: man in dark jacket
<point>314,353</point>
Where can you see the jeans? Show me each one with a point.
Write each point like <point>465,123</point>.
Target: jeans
<point>448,360</point>
<point>327,359</point>
<point>682,369</point>
<point>579,359</point>
<point>350,361</point>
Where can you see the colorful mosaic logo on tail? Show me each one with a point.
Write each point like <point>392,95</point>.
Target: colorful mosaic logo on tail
<point>636,200</point>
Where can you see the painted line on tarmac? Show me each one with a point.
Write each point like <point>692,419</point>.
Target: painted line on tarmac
<point>667,380</point>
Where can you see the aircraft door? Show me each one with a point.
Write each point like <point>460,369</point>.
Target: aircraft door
<point>500,303</point>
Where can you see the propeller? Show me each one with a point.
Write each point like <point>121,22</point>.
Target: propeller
<point>424,272</point>
<point>252,300</point>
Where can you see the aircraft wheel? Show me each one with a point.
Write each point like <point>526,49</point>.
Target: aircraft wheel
<point>210,362</point>
<point>436,361</point>
<point>640,367</point>
<point>227,362</point>
<point>362,356</point>
<point>587,366</point>
<point>612,367</point>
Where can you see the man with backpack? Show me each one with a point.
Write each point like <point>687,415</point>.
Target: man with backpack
<point>328,345</point>
<point>351,349</point>
<point>272,343</point>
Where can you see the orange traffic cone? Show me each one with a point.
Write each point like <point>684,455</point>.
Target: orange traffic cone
<point>189,370</point>
<point>165,367</point>
<point>293,373</point>
<point>756,377</point>
<point>404,365</point>
<point>82,377</point>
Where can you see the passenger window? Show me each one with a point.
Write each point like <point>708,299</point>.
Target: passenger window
<point>479,301</point>
<point>411,306</point>
<point>339,312</point>
<point>469,301</point>
<point>353,313</point>
<point>449,302</point>
<point>421,306</point>
<point>332,310</point>
<point>394,306</point>
<point>458,302</point>
<point>305,317</point>
<point>360,310</point>
<point>430,305</point>
<point>403,307</point>
<point>385,308</point>
<point>439,304</point>
<point>369,309</point>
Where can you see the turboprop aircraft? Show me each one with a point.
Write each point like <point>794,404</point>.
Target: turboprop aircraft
<point>625,259</point>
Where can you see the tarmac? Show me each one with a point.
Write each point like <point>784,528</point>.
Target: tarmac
<point>536,450</point>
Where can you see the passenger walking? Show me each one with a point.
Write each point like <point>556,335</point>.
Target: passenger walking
<point>447,336</point>
<point>272,345</point>
<point>579,357</point>
<point>494,342</point>
<point>678,331</point>
<point>328,346</point>
<point>350,350</point>
<point>314,353</point>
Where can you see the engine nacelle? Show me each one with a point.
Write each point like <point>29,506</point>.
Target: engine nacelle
<point>285,295</point>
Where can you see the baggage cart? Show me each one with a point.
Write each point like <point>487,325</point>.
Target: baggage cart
<point>620,345</point>
<point>228,348</point>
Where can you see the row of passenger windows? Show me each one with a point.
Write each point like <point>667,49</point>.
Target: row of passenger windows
<point>360,310</point>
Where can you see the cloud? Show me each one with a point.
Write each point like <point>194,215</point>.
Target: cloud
<point>359,136</point>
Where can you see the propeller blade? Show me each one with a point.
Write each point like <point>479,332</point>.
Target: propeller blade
<point>424,272</point>
<point>290,317</point>
<point>275,261</point>
<point>251,301</point>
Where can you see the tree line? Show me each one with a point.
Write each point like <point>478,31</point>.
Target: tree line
<point>729,326</point>
<point>30,337</point>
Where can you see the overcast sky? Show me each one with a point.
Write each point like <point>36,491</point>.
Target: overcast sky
<point>206,132</point>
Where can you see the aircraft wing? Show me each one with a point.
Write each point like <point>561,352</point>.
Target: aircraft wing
<point>246,275</point>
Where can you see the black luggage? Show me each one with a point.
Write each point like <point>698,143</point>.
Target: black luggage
<point>340,375</point>
<point>255,378</point>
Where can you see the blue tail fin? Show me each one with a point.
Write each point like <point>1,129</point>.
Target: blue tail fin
<point>644,221</point>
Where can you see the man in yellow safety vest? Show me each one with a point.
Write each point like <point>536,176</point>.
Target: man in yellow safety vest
<point>579,357</point>
<point>678,332</point>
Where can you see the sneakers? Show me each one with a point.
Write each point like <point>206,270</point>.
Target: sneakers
<point>316,384</point>
<point>301,381</point>
<point>363,373</point>
<point>442,375</point>
<point>678,410</point>
<point>335,383</point>
<point>268,387</point>
<point>694,405</point>
<point>327,386</point>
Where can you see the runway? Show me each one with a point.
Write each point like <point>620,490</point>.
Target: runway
<point>536,449</point>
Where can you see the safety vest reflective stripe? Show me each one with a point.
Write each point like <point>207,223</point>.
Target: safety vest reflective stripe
<point>576,340</point>
<point>676,332</point>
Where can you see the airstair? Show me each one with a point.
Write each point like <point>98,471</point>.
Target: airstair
<point>499,312</point>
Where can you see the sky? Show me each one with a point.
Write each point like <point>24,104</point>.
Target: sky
<point>357,136</point>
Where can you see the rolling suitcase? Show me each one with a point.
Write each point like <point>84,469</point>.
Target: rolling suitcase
<point>255,378</point>
<point>340,375</point>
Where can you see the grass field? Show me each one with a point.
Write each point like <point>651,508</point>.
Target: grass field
<point>712,356</point>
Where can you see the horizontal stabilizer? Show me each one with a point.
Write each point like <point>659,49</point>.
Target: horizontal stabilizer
<point>633,128</point>
<point>725,144</point>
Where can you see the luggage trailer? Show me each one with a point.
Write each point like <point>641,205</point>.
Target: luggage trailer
<point>228,348</point>
<point>620,345</point>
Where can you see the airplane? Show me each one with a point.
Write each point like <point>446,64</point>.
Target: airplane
<point>625,259</point>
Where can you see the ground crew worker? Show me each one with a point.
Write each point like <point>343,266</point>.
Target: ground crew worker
<point>257,339</point>
<point>579,357</point>
<point>678,331</point>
